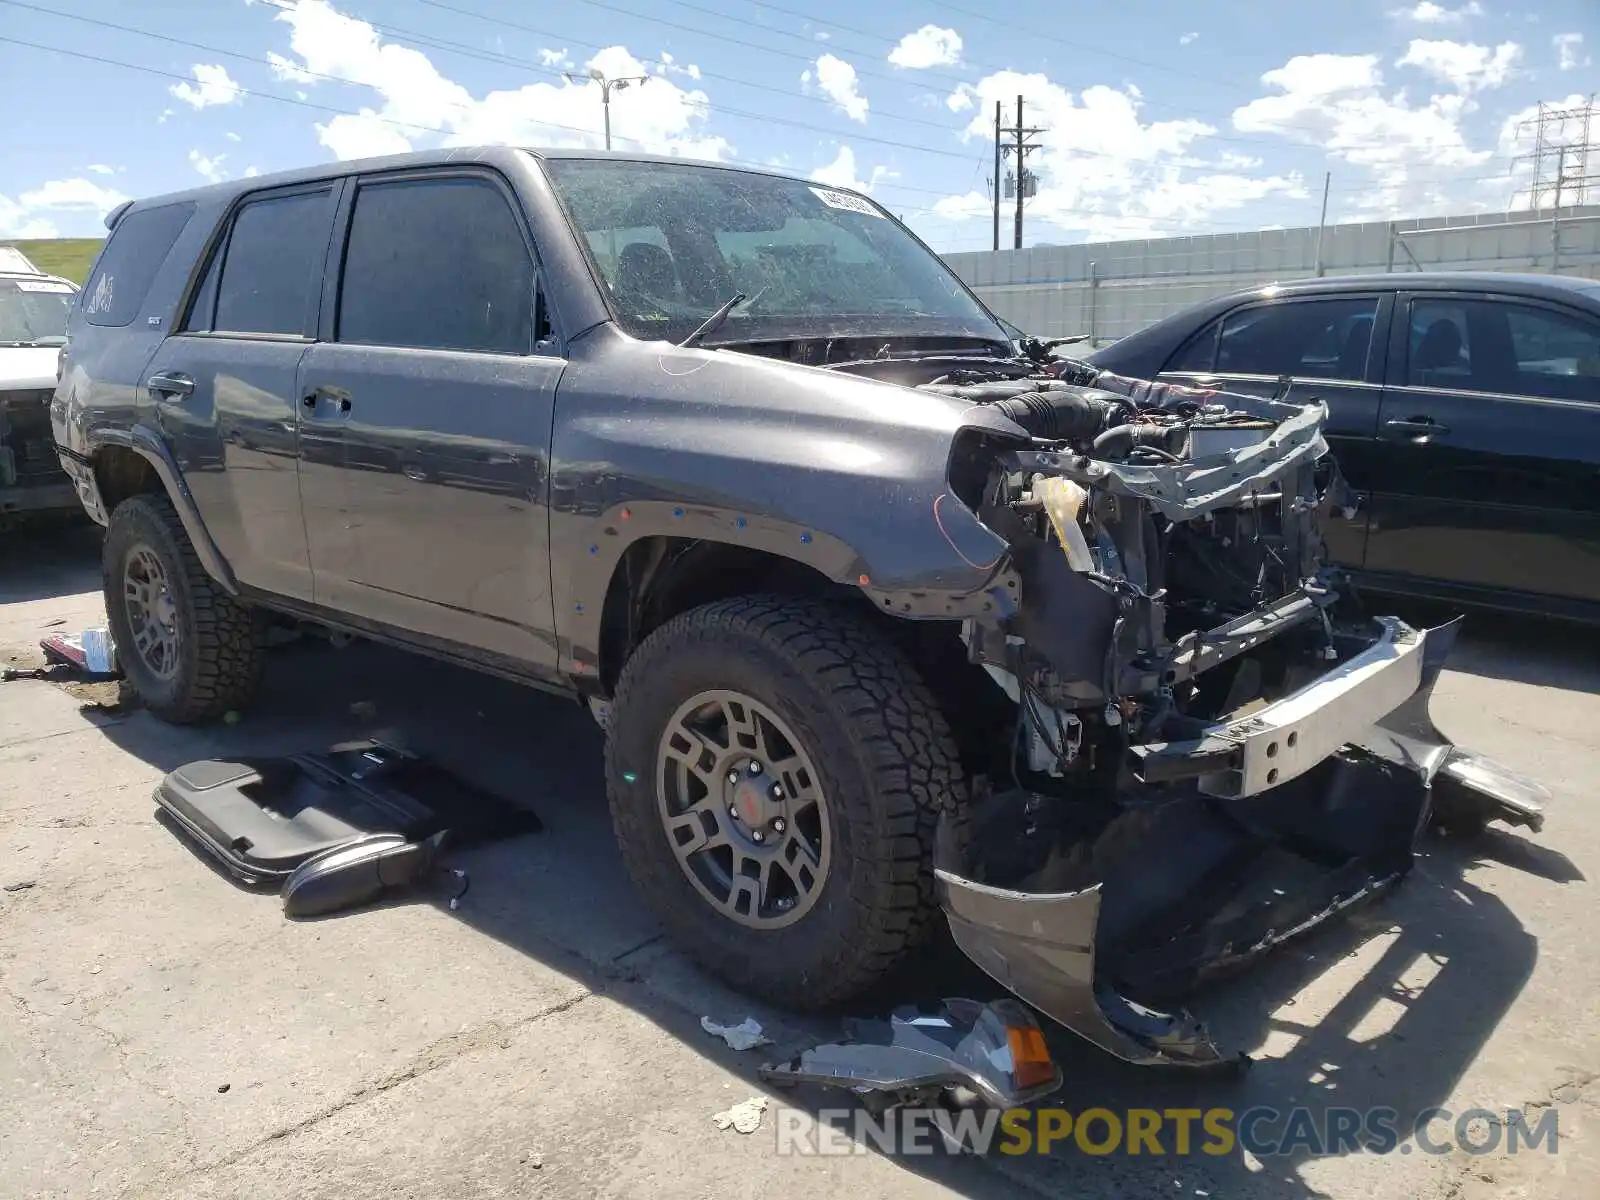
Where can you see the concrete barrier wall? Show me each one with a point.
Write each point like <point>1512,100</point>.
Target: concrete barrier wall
<point>1111,289</point>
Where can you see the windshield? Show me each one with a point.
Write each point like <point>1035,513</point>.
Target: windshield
<point>673,242</point>
<point>33,312</point>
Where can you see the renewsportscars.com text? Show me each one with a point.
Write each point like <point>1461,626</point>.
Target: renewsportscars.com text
<point>1262,1131</point>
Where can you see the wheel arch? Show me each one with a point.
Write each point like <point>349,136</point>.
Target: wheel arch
<point>659,576</point>
<point>138,462</point>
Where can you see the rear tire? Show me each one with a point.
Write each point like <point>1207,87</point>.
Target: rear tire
<point>885,768</point>
<point>190,651</point>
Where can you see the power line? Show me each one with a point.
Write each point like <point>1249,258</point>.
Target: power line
<point>416,126</point>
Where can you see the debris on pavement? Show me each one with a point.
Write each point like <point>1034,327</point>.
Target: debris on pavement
<point>744,1117</point>
<point>92,652</point>
<point>20,887</point>
<point>994,1052</point>
<point>746,1035</point>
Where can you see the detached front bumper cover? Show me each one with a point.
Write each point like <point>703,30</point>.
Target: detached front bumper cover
<point>1254,833</point>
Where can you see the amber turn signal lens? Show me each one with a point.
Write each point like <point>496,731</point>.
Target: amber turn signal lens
<point>1030,1059</point>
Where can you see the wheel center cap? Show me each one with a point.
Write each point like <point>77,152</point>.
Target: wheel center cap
<point>752,804</point>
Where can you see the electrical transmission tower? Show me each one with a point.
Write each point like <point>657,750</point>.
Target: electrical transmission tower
<point>1565,158</point>
<point>1022,183</point>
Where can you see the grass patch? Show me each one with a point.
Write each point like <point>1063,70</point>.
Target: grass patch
<point>69,258</point>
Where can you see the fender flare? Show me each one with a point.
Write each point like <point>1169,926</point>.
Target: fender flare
<point>148,445</point>
<point>580,592</point>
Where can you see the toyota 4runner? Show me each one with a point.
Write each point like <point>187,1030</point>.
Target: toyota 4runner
<point>885,614</point>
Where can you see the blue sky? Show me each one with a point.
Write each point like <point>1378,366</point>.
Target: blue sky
<point>1161,117</point>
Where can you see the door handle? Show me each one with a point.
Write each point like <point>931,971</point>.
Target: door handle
<point>338,395</point>
<point>167,385</point>
<point>1417,426</point>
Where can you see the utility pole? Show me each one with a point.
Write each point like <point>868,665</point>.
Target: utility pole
<point>996,180</point>
<point>1322,221</point>
<point>1024,184</point>
<point>607,86</point>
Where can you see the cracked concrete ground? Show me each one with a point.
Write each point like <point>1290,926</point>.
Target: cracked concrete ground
<point>167,1034</point>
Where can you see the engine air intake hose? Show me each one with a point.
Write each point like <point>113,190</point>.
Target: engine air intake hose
<point>1066,416</point>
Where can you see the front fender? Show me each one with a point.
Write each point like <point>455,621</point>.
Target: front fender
<point>843,474</point>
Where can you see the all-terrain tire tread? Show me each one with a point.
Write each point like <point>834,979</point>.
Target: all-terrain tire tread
<point>227,638</point>
<point>897,728</point>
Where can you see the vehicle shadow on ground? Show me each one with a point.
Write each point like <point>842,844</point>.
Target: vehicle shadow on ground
<point>1358,1016</point>
<point>1539,651</point>
<point>58,556</point>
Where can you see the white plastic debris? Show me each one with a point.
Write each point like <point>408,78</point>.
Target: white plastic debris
<point>746,1035</point>
<point>744,1117</point>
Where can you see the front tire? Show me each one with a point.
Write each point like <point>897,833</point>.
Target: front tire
<point>190,651</point>
<point>776,772</point>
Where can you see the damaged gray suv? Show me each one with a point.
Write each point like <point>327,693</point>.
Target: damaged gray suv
<point>889,618</point>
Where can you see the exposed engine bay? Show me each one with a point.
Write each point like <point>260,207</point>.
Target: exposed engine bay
<point>1202,751</point>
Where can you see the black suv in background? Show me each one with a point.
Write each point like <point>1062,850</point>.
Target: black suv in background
<point>1464,408</point>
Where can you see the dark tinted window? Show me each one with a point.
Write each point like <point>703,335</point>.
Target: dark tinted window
<point>1441,345</point>
<point>273,264</point>
<point>1318,339</point>
<point>1496,346</point>
<point>1201,352</point>
<point>204,304</point>
<point>437,264</point>
<point>129,262</point>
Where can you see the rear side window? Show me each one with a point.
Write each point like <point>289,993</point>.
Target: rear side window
<point>437,264</point>
<point>128,264</point>
<point>1314,339</point>
<point>272,265</point>
<point>1504,347</point>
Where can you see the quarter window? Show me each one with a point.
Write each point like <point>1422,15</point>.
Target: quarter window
<point>437,264</point>
<point>273,264</point>
<point>128,264</point>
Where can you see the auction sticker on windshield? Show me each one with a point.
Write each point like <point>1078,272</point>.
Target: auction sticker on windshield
<point>845,201</point>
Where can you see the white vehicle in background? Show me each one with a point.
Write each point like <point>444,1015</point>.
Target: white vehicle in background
<point>33,328</point>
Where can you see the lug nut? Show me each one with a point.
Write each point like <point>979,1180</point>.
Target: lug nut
<point>778,825</point>
<point>733,776</point>
<point>733,811</point>
<point>755,768</point>
<point>777,791</point>
<point>757,836</point>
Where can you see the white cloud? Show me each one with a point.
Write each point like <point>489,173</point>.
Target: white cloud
<point>16,221</point>
<point>1187,38</point>
<point>28,216</point>
<point>930,46</point>
<point>100,169</point>
<point>836,79</point>
<point>1337,102</point>
<point>841,172</point>
<point>1570,53</point>
<point>555,58</point>
<point>1428,13</point>
<point>233,137</point>
<point>286,68</point>
<point>414,102</point>
<point>165,113</point>
<point>1464,66</point>
<point>212,86</point>
<point>210,169</point>
<point>72,195</point>
<point>251,172</point>
<point>1102,170</point>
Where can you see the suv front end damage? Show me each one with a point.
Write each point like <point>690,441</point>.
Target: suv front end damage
<point>1209,755</point>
